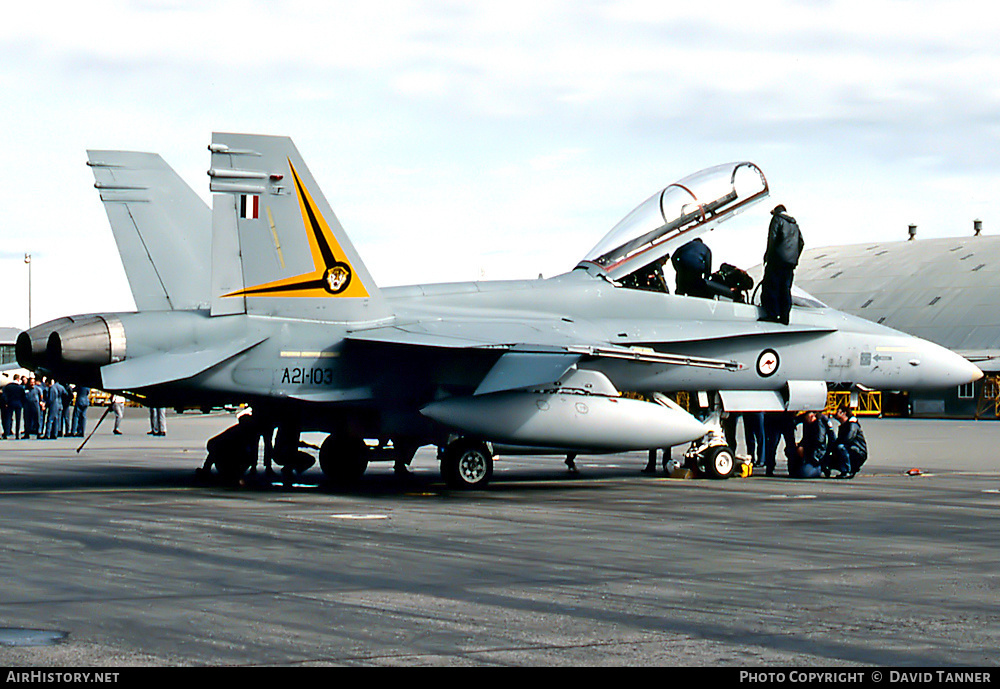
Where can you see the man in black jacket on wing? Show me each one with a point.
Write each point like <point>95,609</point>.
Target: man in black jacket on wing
<point>784,246</point>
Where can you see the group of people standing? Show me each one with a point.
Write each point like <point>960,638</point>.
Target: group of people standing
<point>47,408</point>
<point>820,451</point>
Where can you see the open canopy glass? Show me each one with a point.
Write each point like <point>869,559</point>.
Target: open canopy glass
<point>675,215</point>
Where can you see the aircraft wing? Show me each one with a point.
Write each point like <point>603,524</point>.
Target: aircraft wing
<point>531,353</point>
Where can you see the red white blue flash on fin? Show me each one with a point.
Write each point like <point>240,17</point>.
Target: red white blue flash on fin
<point>249,206</point>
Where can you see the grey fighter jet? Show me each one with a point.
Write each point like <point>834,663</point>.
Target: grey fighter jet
<point>296,326</point>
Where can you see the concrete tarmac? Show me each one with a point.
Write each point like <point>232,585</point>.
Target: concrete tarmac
<point>117,556</point>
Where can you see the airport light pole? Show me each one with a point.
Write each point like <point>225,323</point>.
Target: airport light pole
<point>27,259</point>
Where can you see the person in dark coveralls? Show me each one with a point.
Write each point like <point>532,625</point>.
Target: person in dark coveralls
<point>753,435</point>
<point>53,409</point>
<point>69,392</point>
<point>692,264</point>
<point>234,451</point>
<point>80,410</point>
<point>784,246</point>
<point>851,450</point>
<point>810,453</point>
<point>14,399</point>
<point>778,425</point>
<point>729,421</point>
<point>34,418</point>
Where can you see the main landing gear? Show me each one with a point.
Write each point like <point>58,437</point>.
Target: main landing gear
<point>343,458</point>
<point>467,463</point>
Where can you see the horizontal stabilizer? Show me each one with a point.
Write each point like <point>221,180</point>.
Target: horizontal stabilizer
<point>167,367</point>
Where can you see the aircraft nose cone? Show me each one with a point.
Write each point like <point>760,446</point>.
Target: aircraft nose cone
<point>942,368</point>
<point>974,371</point>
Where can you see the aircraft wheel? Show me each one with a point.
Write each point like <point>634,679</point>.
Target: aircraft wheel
<point>467,464</point>
<point>719,462</point>
<point>343,459</point>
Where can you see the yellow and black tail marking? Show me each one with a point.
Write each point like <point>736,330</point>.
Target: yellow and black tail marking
<point>330,276</point>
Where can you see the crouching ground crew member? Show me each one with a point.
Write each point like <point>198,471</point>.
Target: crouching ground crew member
<point>810,454</point>
<point>234,451</point>
<point>850,451</point>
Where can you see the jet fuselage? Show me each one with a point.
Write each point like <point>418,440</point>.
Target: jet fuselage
<point>278,360</point>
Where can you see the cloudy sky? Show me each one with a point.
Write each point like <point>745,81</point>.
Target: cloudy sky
<point>469,140</point>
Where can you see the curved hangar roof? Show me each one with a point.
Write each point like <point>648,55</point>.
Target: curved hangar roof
<point>943,290</point>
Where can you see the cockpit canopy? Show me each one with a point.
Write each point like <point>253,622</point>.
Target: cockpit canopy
<point>675,215</point>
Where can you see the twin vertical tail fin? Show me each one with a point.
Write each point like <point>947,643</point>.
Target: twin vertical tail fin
<point>161,227</point>
<point>277,247</point>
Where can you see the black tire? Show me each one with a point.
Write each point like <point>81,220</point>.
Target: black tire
<point>343,459</point>
<point>719,462</point>
<point>467,464</point>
